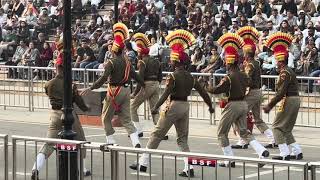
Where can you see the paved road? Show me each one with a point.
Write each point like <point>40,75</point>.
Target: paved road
<point>202,139</point>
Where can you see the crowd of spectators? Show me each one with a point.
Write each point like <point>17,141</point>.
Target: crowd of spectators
<point>25,26</point>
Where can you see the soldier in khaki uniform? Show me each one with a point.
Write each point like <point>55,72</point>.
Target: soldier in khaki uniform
<point>54,90</point>
<point>150,71</point>
<point>234,85</point>
<point>288,96</point>
<point>119,72</point>
<point>179,86</point>
<point>250,37</point>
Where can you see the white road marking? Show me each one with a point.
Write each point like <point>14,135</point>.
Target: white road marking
<point>144,174</point>
<point>21,173</point>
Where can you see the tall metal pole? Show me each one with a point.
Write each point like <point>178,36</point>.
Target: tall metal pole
<point>68,168</point>
<point>116,11</point>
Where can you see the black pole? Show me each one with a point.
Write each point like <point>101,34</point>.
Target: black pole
<point>116,11</point>
<point>68,168</point>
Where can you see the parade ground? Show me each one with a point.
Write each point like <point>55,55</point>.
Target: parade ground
<point>202,139</point>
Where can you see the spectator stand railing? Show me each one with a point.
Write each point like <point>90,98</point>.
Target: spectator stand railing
<point>4,157</point>
<point>25,89</point>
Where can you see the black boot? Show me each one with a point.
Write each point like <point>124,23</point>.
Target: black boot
<point>240,146</point>
<point>165,137</point>
<point>231,164</point>
<point>271,146</point>
<point>187,174</point>
<point>35,175</point>
<point>287,158</point>
<point>297,157</point>
<point>135,167</point>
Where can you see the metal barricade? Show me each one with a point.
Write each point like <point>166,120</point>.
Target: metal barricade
<point>166,165</point>
<point>313,167</point>
<point>4,156</point>
<point>30,149</point>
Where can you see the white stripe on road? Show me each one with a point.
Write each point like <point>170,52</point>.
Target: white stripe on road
<point>21,173</point>
<point>144,174</point>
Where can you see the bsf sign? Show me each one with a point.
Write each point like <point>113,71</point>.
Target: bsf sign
<point>67,147</point>
<point>202,162</point>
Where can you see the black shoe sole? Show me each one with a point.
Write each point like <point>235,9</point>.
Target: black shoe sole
<point>184,174</point>
<point>265,154</point>
<point>135,167</point>
<point>297,157</point>
<point>240,147</point>
<point>138,146</point>
<point>287,158</point>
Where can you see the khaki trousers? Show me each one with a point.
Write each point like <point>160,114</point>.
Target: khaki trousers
<point>234,112</point>
<point>177,115</point>
<point>150,93</point>
<point>55,127</point>
<point>122,99</point>
<point>285,120</point>
<point>254,101</point>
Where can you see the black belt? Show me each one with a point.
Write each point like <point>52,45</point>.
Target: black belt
<point>236,99</point>
<point>292,94</point>
<point>172,98</point>
<point>56,107</point>
<point>120,84</point>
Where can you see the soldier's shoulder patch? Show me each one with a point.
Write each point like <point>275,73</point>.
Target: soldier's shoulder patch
<point>169,78</point>
<point>283,75</point>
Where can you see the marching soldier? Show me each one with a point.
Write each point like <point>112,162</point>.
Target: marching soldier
<point>234,85</point>
<point>288,96</point>
<point>150,71</point>
<point>118,71</point>
<point>179,86</point>
<point>55,90</point>
<point>250,37</point>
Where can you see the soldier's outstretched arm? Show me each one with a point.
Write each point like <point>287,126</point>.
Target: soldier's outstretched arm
<point>107,71</point>
<point>203,94</point>
<point>136,77</point>
<point>222,87</point>
<point>78,99</point>
<point>165,95</point>
<point>283,83</point>
<point>142,68</point>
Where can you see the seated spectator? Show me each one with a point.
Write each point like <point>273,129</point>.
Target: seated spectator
<point>30,7</point>
<point>234,27</point>
<point>23,32</point>
<point>86,58</point>
<point>157,4</point>
<point>196,16</point>
<point>197,60</point>
<point>309,59</point>
<point>303,19</point>
<point>308,7</point>
<point>28,59</point>
<point>94,45</point>
<point>214,62</point>
<point>270,27</point>
<point>264,6</point>
<point>31,19</point>
<point>285,27</point>
<point>18,8</point>
<point>3,17</point>
<point>260,19</point>
<point>268,68</point>
<point>38,43</point>
<point>245,8</point>
<point>216,32</point>
<point>312,36</point>
<point>227,7</point>
<point>225,19</point>
<point>295,48</point>
<point>43,22</point>
<point>275,18</point>
<point>211,7</point>
<point>153,20</point>
<point>46,55</point>
<point>291,18</point>
<point>12,21</point>
<point>9,40</point>
<point>315,73</point>
<point>289,5</point>
<point>15,60</point>
<point>180,20</point>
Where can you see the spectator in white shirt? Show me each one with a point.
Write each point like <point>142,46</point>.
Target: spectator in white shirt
<point>303,19</point>
<point>3,17</point>
<point>292,20</point>
<point>260,19</point>
<point>276,18</point>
